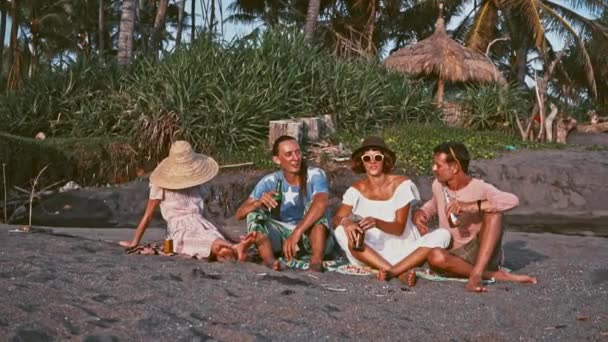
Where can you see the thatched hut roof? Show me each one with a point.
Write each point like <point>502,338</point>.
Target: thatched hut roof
<point>442,56</point>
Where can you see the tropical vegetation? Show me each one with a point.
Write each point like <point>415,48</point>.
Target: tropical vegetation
<point>146,72</point>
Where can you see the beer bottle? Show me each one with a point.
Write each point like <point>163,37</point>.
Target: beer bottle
<point>453,220</point>
<point>278,196</point>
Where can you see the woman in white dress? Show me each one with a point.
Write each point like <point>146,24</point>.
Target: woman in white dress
<point>383,202</point>
<point>175,185</point>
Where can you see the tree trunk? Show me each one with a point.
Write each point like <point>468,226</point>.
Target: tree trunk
<point>212,18</point>
<point>180,22</point>
<point>33,46</point>
<point>311,18</point>
<point>371,27</point>
<point>159,26</point>
<point>101,26</point>
<point>440,89</point>
<point>289,127</point>
<point>521,65</point>
<point>193,14</point>
<point>14,31</point>
<point>3,11</point>
<point>125,35</point>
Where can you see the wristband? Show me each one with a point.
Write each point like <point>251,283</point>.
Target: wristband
<point>342,221</point>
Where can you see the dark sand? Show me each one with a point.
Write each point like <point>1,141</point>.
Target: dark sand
<point>71,288</point>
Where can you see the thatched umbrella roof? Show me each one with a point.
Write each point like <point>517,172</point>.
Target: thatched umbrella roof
<point>442,56</point>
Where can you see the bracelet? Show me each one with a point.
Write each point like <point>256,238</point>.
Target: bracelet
<point>479,206</point>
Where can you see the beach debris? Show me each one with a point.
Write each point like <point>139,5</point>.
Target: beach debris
<point>331,288</point>
<point>236,165</point>
<point>313,276</point>
<point>324,151</point>
<point>582,318</point>
<point>22,229</point>
<point>555,327</point>
<point>69,186</point>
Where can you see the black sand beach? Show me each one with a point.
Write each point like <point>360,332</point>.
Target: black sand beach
<point>71,288</point>
<point>78,284</point>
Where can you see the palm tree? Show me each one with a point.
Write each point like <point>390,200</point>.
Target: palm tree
<point>180,22</point>
<point>159,25</point>
<point>125,37</point>
<point>311,18</point>
<point>3,10</point>
<point>528,22</point>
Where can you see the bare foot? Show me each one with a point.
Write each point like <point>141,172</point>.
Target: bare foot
<point>518,278</point>
<point>409,278</point>
<point>474,284</point>
<point>384,275</point>
<point>275,265</point>
<point>316,267</point>
<point>225,253</point>
<point>240,249</point>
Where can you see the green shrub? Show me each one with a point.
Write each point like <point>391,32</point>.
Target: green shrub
<point>414,143</point>
<point>495,107</point>
<point>218,96</point>
<point>88,161</point>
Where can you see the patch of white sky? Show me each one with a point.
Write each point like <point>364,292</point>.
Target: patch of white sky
<point>234,30</point>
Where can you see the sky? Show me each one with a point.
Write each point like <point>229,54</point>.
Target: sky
<point>232,31</point>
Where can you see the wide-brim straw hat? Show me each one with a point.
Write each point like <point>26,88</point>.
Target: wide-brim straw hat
<point>373,142</point>
<point>183,168</point>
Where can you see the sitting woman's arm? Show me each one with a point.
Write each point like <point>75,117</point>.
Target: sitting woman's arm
<point>342,214</point>
<point>395,228</point>
<point>342,218</point>
<point>143,224</point>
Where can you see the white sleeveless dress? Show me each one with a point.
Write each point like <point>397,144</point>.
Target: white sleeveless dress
<point>391,247</point>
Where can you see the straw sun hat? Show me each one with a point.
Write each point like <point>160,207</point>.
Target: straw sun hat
<point>183,168</point>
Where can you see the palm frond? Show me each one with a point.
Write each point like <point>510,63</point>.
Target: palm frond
<point>577,20</point>
<point>587,65</point>
<point>529,10</point>
<point>483,26</point>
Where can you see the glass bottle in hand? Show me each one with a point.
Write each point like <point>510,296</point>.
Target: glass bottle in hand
<point>278,197</point>
<point>453,219</point>
<point>359,237</point>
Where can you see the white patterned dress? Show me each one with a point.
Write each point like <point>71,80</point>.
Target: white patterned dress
<point>183,210</point>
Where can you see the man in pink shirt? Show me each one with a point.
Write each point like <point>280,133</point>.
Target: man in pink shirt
<point>471,210</point>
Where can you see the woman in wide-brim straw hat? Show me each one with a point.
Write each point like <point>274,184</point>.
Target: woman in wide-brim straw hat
<point>380,207</point>
<point>175,185</point>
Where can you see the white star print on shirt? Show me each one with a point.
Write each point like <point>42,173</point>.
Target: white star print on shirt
<point>290,196</point>
<point>270,179</point>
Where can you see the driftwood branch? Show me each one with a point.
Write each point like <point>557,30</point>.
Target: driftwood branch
<point>549,122</point>
<point>597,128</point>
<point>236,165</point>
<point>493,42</point>
<point>33,192</point>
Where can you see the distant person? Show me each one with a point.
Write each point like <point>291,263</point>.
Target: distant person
<point>380,207</point>
<point>476,249</point>
<point>299,224</point>
<point>175,185</point>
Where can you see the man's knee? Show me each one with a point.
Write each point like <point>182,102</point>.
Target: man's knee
<point>437,257</point>
<point>319,229</point>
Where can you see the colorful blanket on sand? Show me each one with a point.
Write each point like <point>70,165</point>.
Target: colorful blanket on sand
<point>344,267</point>
<point>341,265</point>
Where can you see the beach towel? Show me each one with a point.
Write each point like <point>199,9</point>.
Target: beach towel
<point>342,266</point>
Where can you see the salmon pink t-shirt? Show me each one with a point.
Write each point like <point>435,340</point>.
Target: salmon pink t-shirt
<point>477,189</point>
